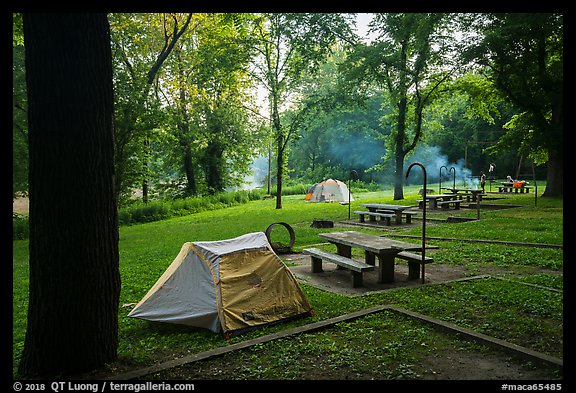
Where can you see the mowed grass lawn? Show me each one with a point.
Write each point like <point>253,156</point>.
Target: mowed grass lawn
<point>527,315</point>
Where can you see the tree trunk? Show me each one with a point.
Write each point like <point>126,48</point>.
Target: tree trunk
<point>554,176</point>
<point>191,188</point>
<point>401,125</point>
<point>74,284</point>
<point>269,179</point>
<point>279,171</point>
<point>399,177</point>
<point>399,152</point>
<point>277,126</point>
<point>184,134</point>
<point>555,173</point>
<point>214,163</point>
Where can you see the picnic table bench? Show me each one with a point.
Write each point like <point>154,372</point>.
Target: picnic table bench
<point>383,216</point>
<point>397,211</point>
<point>414,263</point>
<point>468,193</point>
<point>445,204</point>
<point>356,268</point>
<point>440,200</point>
<point>407,215</point>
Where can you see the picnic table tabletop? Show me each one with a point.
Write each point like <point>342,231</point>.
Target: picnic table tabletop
<point>466,190</point>
<point>440,196</point>
<point>372,243</point>
<point>384,206</point>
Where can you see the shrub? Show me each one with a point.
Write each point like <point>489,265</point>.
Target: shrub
<point>20,227</point>
<point>158,210</point>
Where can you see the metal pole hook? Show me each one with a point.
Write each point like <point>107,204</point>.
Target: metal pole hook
<point>423,216</point>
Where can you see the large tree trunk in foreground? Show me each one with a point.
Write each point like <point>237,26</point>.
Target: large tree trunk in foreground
<point>555,176</point>
<point>74,273</point>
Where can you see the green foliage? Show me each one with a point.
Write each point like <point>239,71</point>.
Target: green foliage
<point>523,58</point>
<point>19,111</point>
<point>20,227</point>
<point>332,142</point>
<point>410,60</point>
<point>181,101</point>
<point>195,100</point>
<point>289,46</point>
<point>159,210</point>
<point>17,30</point>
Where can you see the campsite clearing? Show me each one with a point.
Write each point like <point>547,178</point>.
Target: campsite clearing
<point>520,310</point>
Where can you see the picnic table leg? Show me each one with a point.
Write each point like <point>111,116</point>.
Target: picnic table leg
<point>345,251</point>
<point>398,217</point>
<point>413,270</point>
<point>356,279</point>
<point>370,258</point>
<point>316,264</point>
<point>386,267</point>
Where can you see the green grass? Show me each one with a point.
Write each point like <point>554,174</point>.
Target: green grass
<point>507,309</point>
<point>390,344</point>
<point>384,345</point>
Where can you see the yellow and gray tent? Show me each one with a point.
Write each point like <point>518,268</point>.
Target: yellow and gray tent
<point>225,286</point>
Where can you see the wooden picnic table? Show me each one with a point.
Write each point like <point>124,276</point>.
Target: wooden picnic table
<point>467,192</point>
<point>433,199</point>
<point>374,246</point>
<point>398,210</point>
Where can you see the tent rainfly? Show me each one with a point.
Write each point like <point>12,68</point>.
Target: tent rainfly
<point>225,286</point>
<point>329,191</point>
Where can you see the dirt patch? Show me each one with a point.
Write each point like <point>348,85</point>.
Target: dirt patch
<point>21,206</point>
<point>459,365</point>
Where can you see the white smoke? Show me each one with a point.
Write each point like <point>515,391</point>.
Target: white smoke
<point>453,173</point>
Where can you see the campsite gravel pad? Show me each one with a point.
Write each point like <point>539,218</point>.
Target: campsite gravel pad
<point>382,346</point>
<point>338,280</point>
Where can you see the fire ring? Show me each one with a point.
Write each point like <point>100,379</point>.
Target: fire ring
<point>279,247</point>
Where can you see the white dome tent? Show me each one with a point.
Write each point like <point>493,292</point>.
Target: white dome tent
<point>330,190</point>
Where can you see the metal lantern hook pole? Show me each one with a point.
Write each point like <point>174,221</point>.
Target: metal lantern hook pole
<point>452,169</point>
<point>440,179</point>
<point>423,216</point>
